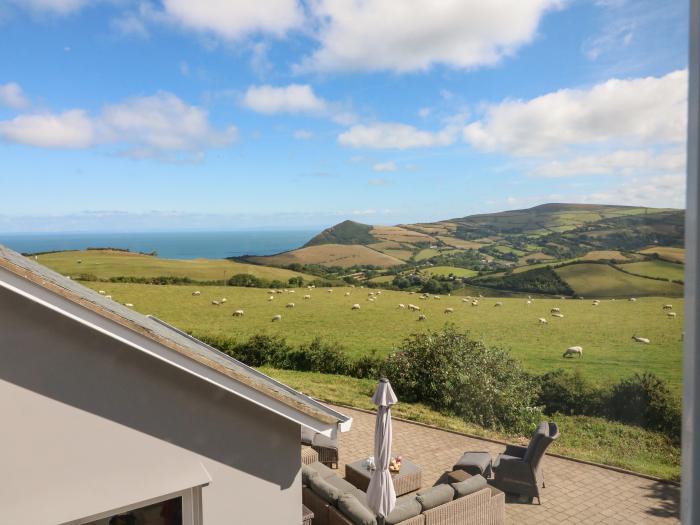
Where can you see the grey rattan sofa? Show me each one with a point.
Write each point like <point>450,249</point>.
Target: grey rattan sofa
<point>519,469</point>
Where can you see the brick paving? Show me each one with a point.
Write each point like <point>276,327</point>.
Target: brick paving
<point>575,492</point>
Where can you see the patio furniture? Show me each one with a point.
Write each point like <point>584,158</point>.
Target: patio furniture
<point>307,515</point>
<point>475,463</point>
<point>519,469</point>
<point>334,501</point>
<point>308,455</point>
<point>458,475</point>
<point>406,480</point>
<point>327,455</point>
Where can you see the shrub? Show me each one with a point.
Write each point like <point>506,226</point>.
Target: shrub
<point>261,349</point>
<point>645,400</point>
<point>452,372</point>
<point>569,393</point>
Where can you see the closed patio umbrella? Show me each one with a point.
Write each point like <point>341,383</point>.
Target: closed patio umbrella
<point>381,496</point>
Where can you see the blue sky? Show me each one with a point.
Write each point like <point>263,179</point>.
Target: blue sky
<point>171,114</point>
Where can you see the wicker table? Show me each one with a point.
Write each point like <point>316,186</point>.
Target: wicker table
<point>307,516</point>
<point>405,481</point>
<point>308,455</point>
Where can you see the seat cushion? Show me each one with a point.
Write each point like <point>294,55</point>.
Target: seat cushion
<point>405,509</point>
<point>355,511</point>
<point>435,496</point>
<point>474,463</point>
<point>469,486</point>
<point>322,469</point>
<point>504,458</point>
<point>325,490</point>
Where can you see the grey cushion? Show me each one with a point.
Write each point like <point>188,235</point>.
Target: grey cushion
<point>541,431</point>
<point>469,486</point>
<point>322,469</point>
<point>355,511</point>
<point>306,474</point>
<point>404,510</point>
<point>325,490</point>
<point>342,485</point>
<point>505,458</point>
<point>435,496</point>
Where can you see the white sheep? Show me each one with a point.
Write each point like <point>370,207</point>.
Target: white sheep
<point>475,303</point>
<point>271,298</point>
<point>277,317</point>
<point>289,305</point>
<point>572,351</point>
<point>671,315</point>
<point>414,308</point>
<point>436,297</point>
<point>223,300</point>
<point>555,310</point>
<point>197,292</point>
<point>329,291</point>
<point>401,305</point>
<point>371,299</point>
<point>542,320</point>
<point>307,296</point>
<point>238,313</point>
<point>449,310</point>
<point>529,301</point>
<point>668,307</point>
<point>215,302</point>
<point>270,291</point>
<point>278,291</point>
<point>632,299</point>
<point>465,300</point>
<point>347,294</point>
<point>128,305</point>
<point>498,303</point>
<point>101,292</point>
<point>422,317</point>
<point>108,296</point>
<point>355,307</point>
<point>558,314</point>
<point>292,291</point>
<point>641,339</point>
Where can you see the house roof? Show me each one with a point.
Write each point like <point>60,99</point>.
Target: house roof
<point>170,337</point>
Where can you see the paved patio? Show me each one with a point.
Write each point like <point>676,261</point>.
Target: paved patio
<point>575,493</point>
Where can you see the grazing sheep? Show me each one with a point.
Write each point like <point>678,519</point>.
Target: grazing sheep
<point>108,296</point>
<point>355,307</point>
<point>641,339</point>
<point>422,317</point>
<point>498,303</point>
<point>197,293</point>
<point>572,351</point>
<point>278,291</point>
<point>371,299</point>
<point>557,314</point>
<point>671,315</point>
<point>554,310</point>
<point>632,299</point>
<point>347,294</point>
<point>277,317</point>
<point>449,310</point>
<point>668,307</point>
<point>101,292</point>
<point>436,297</point>
<point>270,291</point>
<point>411,293</point>
<point>238,313</point>
<point>542,320</point>
<point>529,301</point>
<point>379,292</point>
<point>475,303</point>
<point>292,291</point>
<point>289,305</point>
<point>223,300</point>
<point>271,298</point>
<point>465,300</point>
<point>307,296</point>
<point>329,291</point>
<point>215,303</point>
<point>128,305</point>
<point>401,305</point>
<point>414,308</point>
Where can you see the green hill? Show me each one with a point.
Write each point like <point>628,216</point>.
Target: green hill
<point>347,232</point>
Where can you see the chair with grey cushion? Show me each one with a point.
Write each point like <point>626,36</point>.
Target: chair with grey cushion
<point>519,469</point>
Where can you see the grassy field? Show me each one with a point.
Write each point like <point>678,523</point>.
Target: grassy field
<point>597,255</point>
<point>343,255</point>
<point>668,253</point>
<point>447,270</point>
<point>601,280</point>
<point>657,268</point>
<point>108,263</point>
<point>604,332</point>
<point>426,253</point>
<point>588,438</point>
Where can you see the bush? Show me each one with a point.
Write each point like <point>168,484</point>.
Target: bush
<point>451,372</point>
<point>645,400</point>
<point>569,393</point>
<point>261,349</point>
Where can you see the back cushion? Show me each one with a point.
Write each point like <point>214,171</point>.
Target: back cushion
<point>306,474</point>
<point>355,511</point>
<point>542,430</point>
<point>404,510</point>
<point>469,486</point>
<point>434,496</point>
<point>325,490</point>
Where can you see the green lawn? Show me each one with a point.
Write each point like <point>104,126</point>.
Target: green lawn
<point>107,263</point>
<point>656,268</point>
<point>604,331</point>
<point>601,280</point>
<point>447,270</point>
<point>588,438</point>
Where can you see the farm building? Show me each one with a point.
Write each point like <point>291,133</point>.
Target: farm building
<point>107,411</point>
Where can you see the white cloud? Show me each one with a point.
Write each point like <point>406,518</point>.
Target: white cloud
<point>12,96</point>
<point>665,191</point>
<point>302,134</point>
<point>61,7</point>
<point>388,135</point>
<point>392,35</point>
<point>384,166</point>
<point>620,162</point>
<point>638,111</point>
<point>235,19</point>
<point>70,129</point>
<point>294,98</point>
<point>156,126</point>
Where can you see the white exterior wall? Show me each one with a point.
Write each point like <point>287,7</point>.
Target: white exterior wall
<point>90,422</point>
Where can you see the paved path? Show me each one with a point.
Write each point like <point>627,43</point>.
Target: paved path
<point>575,493</point>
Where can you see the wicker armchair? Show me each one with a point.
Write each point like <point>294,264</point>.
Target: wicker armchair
<point>519,469</point>
<point>327,455</point>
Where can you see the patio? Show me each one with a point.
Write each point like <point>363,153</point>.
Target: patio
<point>575,493</point>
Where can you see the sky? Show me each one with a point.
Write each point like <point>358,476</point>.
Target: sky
<point>157,115</point>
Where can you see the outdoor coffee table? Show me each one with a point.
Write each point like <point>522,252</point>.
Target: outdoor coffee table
<point>406,480</point>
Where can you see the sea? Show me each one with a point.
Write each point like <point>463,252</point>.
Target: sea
<point>168,245</point>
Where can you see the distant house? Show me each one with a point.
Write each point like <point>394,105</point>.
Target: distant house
<point>108,412</point>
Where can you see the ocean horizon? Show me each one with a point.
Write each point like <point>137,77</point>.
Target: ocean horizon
<point>168,245</point>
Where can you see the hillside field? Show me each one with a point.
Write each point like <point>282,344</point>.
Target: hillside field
<point>343,255</point>
<point>111,263</point>
<point>601,280</point>
<point>604,331</point>
<point>447,270</point>
<point>668,253</point>
<point>657,268</point>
